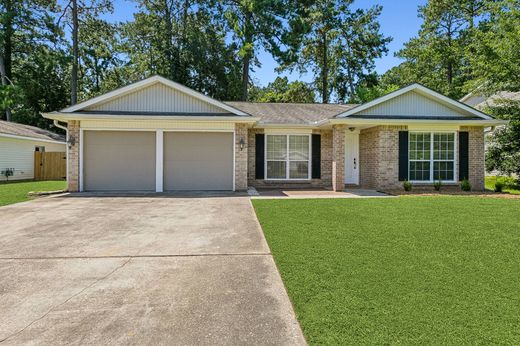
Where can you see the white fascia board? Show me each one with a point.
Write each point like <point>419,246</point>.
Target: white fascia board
<point>32,138</point>
<point>287,126</point>
<point>147,82</point>
<point>77,116</point>
<point>432,94</point>
<point>476,122</point>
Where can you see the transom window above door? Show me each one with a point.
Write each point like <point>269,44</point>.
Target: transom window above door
<point>431,156</point>
<point>287,157</point>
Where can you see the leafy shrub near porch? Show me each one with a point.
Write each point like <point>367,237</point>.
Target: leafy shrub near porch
<point>407,185</point>
<point>465,185</point>
<point>437,185</point>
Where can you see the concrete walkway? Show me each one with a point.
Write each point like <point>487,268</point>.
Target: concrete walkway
<point>318,193</point>
<point>139,270</point>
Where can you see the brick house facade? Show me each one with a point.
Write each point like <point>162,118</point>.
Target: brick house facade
<point>411,134</point>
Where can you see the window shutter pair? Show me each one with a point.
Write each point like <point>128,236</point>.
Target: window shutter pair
<point>463,155</point>
<point>260,156</point>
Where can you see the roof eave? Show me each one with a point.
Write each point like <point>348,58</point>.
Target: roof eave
<point>63,116</point>
<point>473,122</point>
<point>46,140</point>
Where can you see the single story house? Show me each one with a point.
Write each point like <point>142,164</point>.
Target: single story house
<point>18,142</point>
<point>158,135</point>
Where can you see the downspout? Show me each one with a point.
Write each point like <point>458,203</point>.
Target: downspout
<point>57,124</point>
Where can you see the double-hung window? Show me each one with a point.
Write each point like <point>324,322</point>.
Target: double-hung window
<point>431,156</point>
<point>287,157</point>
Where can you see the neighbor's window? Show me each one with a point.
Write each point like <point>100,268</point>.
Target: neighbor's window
<point>287,156</point>
<point>431,156</point>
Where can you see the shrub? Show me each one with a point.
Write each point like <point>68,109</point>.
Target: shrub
<point>465,185</point>
<point>499,186</point>
<point>407,185</point>
<point>437,185</point>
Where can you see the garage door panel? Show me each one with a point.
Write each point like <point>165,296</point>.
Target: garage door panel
<point>198,161</point>
<point>119,161</point>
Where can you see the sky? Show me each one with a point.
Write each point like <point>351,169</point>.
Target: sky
<point>398,20</point>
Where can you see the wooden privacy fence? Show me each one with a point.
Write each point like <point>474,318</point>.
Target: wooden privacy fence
<point>50,165</point>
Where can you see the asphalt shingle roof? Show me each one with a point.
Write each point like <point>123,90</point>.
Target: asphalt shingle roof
<point>16,129</point>
<point>291,113</point>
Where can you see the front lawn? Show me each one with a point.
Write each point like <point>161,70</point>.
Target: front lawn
<point>407,270</point>
<point>14,192</point>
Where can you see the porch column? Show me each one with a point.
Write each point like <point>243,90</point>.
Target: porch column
<point>338,157</point>
<point>240,157</point>
<point>73,150</point>
<point>159,157</point>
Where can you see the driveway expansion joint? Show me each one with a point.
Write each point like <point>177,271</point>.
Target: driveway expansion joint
<point>67,300</point>
<point>135,256</point>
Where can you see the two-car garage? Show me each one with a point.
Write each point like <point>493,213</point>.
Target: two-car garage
<point>127,160</point>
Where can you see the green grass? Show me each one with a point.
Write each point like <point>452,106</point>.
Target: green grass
<point>14,192</point>
<point>490,185</point>
<point>407,270</point>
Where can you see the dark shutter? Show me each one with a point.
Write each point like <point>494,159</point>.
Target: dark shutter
<point>259,152</point>
<point>463,155</point>
<point>316,157</point>
<point>403,155</point>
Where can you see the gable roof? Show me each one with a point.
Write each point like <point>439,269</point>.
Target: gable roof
<point>291,113</point>
<point>120,92</point>
<point>31,132</point>
<point>423,91</point>
<point>479,101</point>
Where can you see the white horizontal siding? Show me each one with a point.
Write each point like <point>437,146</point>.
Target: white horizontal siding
<point>158,125</point>
<point>412,104</point>
<point>19,154</point>
<point>157,98</point>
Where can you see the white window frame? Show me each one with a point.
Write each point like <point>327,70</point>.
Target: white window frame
<point>288,160</point>
<point>432,160</point>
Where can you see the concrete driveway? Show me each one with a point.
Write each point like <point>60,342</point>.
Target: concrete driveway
<point>139,270</point>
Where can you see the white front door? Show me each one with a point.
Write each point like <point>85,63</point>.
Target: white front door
<point>352,157</point>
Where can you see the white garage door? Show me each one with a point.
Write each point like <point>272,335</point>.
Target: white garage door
<point>119,161</point>
<point>198,161</point>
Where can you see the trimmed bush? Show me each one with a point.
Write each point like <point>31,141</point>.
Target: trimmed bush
<point>499,186</point>
<point>407,185</point>
<point>465,185</point>
<point>437,185</point>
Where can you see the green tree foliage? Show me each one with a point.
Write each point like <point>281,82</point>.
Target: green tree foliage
<point>183,41</point>
<point>462,46</point>
<point>338,44</point>
<point>503,152</point>
<point>256,24</point>
<point>495,56</point>
<point>99,62</point>
<point>32,50</point>
<point>282,91</point>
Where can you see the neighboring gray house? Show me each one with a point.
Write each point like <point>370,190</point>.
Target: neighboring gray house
<point>481,102</point>
<point>157,135</point>
<point>18,142</point>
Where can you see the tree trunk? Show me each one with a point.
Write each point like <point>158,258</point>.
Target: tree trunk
<point>246,61</point>
<point>324,70</point>
<point>75,54</point>
<point>6,56</point>
<point>5,82</point>
<point>169,43</point>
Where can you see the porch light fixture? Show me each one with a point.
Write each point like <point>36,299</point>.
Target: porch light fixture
<point>242,143</point>
<point>351,129</point>
<point>71,141</point>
